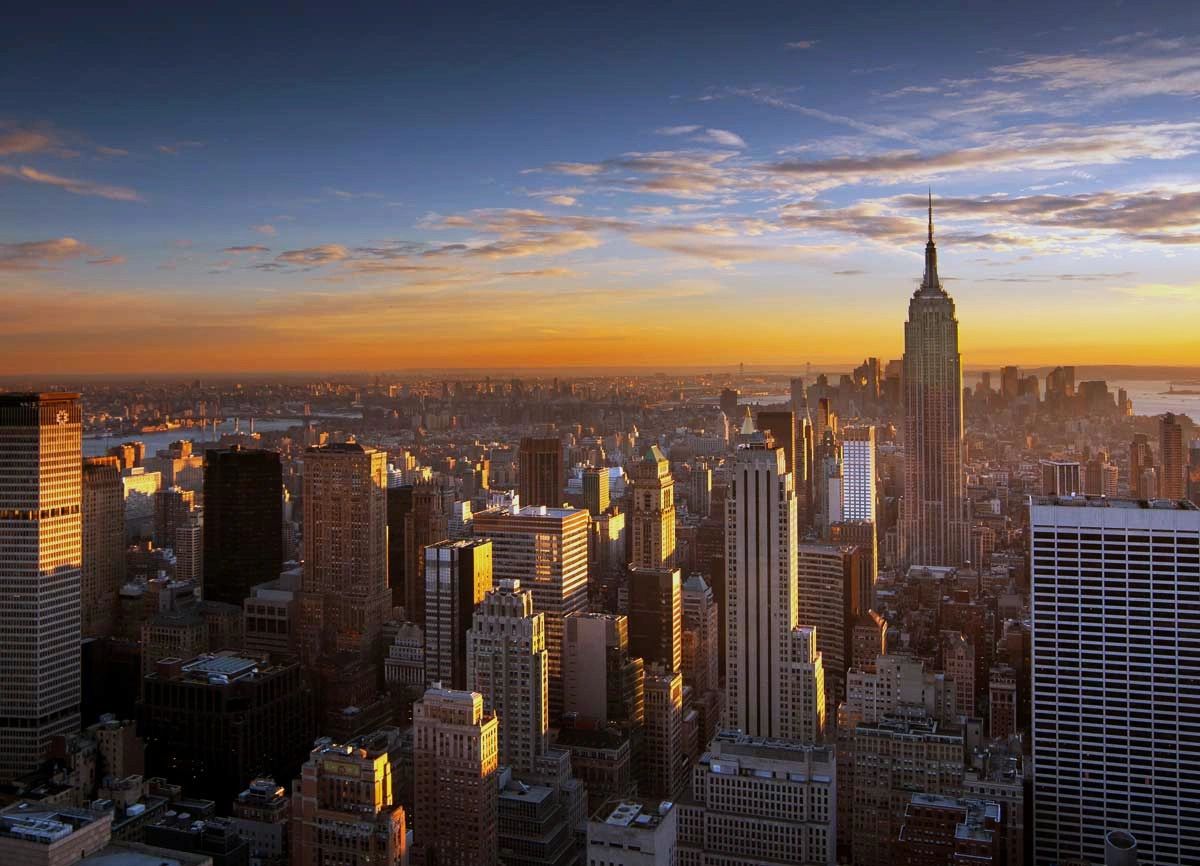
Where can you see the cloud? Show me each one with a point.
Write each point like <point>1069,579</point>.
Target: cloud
<point>71,185</point>
<point>1030,148</point>
<point>1161,291</point>
<point>851,272</point>
<point>18,141</point>
<point>111,151</point>
<point>801,44</point>
<point>248,248</point>
<point>562,200</point>
<point>767,98</point>
<point>686,129</point>
<point>177,147</point>
<point>36,255</point>
<point>346,195</point>
<point>265,229</point>
<point>107,260</point>
<point>722,137</point>
<point>325,254</point>
<point>540,272</point>
<point>1169,68</point>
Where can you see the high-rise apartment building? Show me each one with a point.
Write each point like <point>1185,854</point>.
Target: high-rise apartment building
<point>40,549</point>
<point>858,474</point>
<point>456,755</point>
<point>656,616</point>
<point>343,811</point>
<point>540,468</point>
<point>652,521</point>
<point>344,598</point>
<point>756,801</point>
<point>547,550</point>
<point>457,576</point>
<point>243,521</point>
<point>933,526</point>
<point>103,545</point>
<point>1172,480</point>
<point>1116,661</point>
<point>508,665</point>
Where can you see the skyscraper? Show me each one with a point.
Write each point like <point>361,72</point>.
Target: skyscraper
<point>781,425</point>
<point>761,603</point>
<point>656,615</point>
<point>40,547</point>
<point>834,590</point>
<point>344,597</point>
<point>456,804</point>
<point>540,465</point>
<point>700,655</point>
<point>933,526</point>
<point>603,684</point>
<point>653,517</point>
<point>1171,457</point>
<point>103,548</point>
<point>858,474</point>
<point>243,521</point>
<point>1060,477</point>
<point>547,550</point>
<point>1141,468</point>
<point>662,768</point>
<point>457,576</point>
<point>595,489</point>
<point>507,664</point>
<point>1116,660</point>
<point>427,522</point>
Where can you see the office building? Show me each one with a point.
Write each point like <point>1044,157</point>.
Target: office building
<point>457,576</point>
<point>213,722</point>
<point>700,652</point>
<point>260,815</point>
<point>1172,480</point>
<point>626,832</point>
<point>602,683</point>
<point>656,616</point>
<point>343,808</point>
<point>858,474</point>
<point>189,548</point>
<point>756,801</point>
<point>595,490</point>
<point>780,427</point>
<point>945,831</point>
<point>1116,661</point>
<point>663,767</point>
<point>243,521</point>
<point>1100,477</point>
<point>760,613</point>
<point>38,834</point>
<point>455,753</point>
<point>883,763</point>
<point>399,506</point>
<point>427,522</point>
<point>172,505</point>
<point>802,687</point>
<point>652,518</point>
<point>40,569</point>
<point>933,526</point>
<point>1142,483</point>
<point>1060,477</point>
<point>344,594</point>
<point>103,545</point>
<point>540,468</point>
<point>508,665</point>
<point>834,590</point>
<point>547,550</point>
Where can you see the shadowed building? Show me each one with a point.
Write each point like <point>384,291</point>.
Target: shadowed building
<point>540,468</point>
<point>243,522</point>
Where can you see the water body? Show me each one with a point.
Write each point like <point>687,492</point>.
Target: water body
<point>1149,397</point>
<point>96,446</point>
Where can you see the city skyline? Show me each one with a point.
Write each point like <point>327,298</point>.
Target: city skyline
<point>249,209</point>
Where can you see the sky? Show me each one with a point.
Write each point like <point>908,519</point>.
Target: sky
<point>251,187</point>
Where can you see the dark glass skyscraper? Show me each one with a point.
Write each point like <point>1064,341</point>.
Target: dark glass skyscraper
<point>243,520</point>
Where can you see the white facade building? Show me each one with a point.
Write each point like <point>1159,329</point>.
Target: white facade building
<point>1116,662</point>
<point>858,474</point>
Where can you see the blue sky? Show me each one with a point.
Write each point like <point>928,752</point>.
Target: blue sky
<point>379,187</point>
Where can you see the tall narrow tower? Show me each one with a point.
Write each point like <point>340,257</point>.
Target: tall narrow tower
<point>933,528</point>
<point>653,512</point>
<point>40,547</point>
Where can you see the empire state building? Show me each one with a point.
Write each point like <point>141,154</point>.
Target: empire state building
<point>933,526</point>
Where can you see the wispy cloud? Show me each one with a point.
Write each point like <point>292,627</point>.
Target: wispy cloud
<point>801,44</point>
<point>265,229</point>
<point>722,137</point>
<point>36,255</point>
<point>177,147</point>
<point>18,141</point>
<point>325,254</point>
<point>71,185</point>
<point>107,260</point>
<point>248,248</point>
<point>346,195</point>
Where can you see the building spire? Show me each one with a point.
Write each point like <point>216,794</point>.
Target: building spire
<point>931,283</point>
<point>931,214</point>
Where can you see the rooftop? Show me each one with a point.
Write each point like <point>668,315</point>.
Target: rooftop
<point>638,814</point>
<point>1082,501</point>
